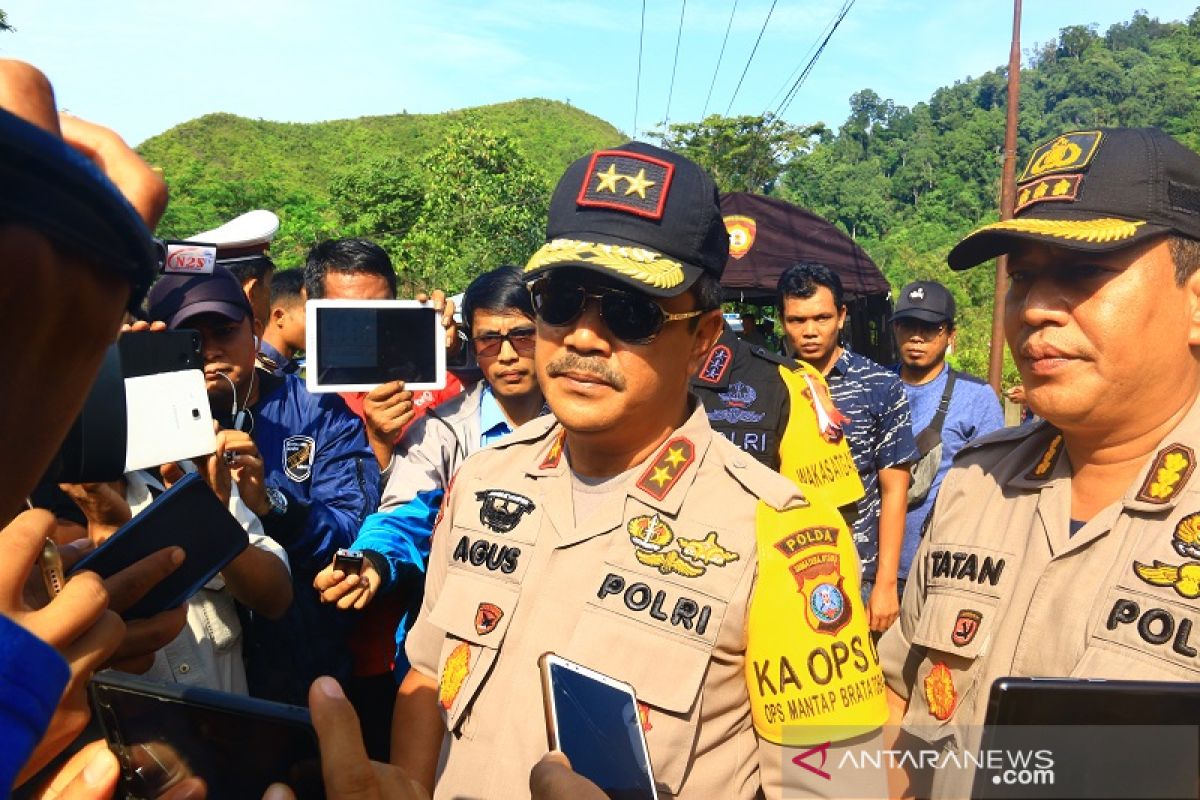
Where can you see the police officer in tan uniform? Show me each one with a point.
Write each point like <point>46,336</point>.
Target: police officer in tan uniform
<point>1071,547</point>
<point>624,534</point>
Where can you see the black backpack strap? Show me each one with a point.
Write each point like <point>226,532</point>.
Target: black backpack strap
<point>939,419</point>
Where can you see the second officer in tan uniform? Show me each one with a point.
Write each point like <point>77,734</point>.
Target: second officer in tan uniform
<point>624,534</point>
<point>1071,548</point>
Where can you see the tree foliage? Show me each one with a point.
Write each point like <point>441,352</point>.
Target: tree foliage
<point>484,205</point>
<point>908,183</point>
<point>743,154</point>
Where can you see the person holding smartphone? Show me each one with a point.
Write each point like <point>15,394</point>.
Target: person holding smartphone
<point>395,541</point>
<point>623,534</point>
<point>319,477</point>
<point>75,253</point>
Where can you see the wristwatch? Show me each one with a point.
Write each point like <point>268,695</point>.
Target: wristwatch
<point>278,501</point>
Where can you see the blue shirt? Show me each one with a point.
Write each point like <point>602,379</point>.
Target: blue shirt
<point>879,432</point>
<point>974,411</point>
<point>400,536</point>
<point>493,425</point>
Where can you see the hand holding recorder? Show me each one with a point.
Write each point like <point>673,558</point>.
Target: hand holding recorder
<point>350,581</point>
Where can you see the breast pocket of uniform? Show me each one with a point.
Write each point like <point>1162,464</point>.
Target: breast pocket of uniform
<point>666,673</point>
<point>1149,632</point>
<point>475,613</point>
<point>954,630</point>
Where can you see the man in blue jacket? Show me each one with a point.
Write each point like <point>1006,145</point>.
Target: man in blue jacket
<point>320,476</point>
<point>498,315</point>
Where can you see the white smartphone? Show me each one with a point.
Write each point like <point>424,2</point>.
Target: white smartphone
<point>167,413</point>
<point>168,419</point>
<point>593,718</point>
<point>356,345</point>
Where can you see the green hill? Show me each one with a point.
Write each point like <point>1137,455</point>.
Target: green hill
<point>308,155</point>
<point>220,165</point>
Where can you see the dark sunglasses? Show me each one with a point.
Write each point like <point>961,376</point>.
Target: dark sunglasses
<point>926,330</point>
<point>521,339</point>
<point>631,317</point>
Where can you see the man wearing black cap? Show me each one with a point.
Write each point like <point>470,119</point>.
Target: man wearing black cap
<point>623,534</point>
<point>1069,546</point>
<point>949,408</point>
<point>321,479</point>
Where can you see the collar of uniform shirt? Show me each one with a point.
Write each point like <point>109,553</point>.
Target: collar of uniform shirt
<point>492,422</point>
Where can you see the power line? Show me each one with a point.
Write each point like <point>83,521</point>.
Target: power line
<point>788,82</point>
<point>637,95</point>
<point>751,58</point>
<point>720,56</point>
<point>674,64</point>
<point>791,95</point>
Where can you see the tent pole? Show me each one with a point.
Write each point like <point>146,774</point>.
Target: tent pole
<point>1008,199</point>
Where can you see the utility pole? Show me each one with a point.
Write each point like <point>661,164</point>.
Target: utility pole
<point>1008,199</point>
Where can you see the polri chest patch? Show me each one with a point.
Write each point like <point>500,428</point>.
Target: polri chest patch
<point>501,510</point>
<point>298,452</point>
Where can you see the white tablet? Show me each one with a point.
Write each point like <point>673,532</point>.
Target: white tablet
<point>356,345</point>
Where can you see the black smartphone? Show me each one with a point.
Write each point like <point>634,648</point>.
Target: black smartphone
<point>155,352</point>
<point>165,733</point>
<point>593,718</point>
<point>188,515</point>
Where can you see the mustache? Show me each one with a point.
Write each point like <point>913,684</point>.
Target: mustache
<point>595,367</point>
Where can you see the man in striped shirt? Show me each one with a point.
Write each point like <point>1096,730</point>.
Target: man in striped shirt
<point>878,428</point>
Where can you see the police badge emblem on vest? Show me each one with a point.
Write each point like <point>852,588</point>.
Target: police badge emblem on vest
<point>298,452</point>
<point>500,511</point>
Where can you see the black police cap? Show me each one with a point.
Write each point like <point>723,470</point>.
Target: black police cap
<point>1096,191</point>
<point>643,215</point>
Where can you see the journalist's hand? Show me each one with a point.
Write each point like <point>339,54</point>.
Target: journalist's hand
<point>348,773</point>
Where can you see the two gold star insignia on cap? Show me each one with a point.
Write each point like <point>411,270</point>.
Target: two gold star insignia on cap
<point>635,184</point>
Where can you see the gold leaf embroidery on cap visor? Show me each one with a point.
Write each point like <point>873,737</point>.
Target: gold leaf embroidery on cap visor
<point>644,266</point>
<point>1077,230</point>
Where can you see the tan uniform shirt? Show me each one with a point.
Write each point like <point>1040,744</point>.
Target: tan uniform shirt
<point>1000,586</point>
<point>653,590</point>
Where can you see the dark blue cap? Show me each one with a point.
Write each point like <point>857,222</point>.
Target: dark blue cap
<point>51,187</point>
<point>176,298</point>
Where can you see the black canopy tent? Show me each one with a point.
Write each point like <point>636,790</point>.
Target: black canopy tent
<point>768,235</point>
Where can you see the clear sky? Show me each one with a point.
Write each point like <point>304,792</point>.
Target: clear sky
<point>142,66</point>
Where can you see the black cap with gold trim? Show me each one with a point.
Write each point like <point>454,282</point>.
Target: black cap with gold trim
<point>1096,191</point>
<point>643,215</point>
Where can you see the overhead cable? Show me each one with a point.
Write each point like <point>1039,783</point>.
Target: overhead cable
<point>674,64</point>
<point>791,95</point>
<point>720,56</point>
<point>637,94</point>
<point>751,58</point>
